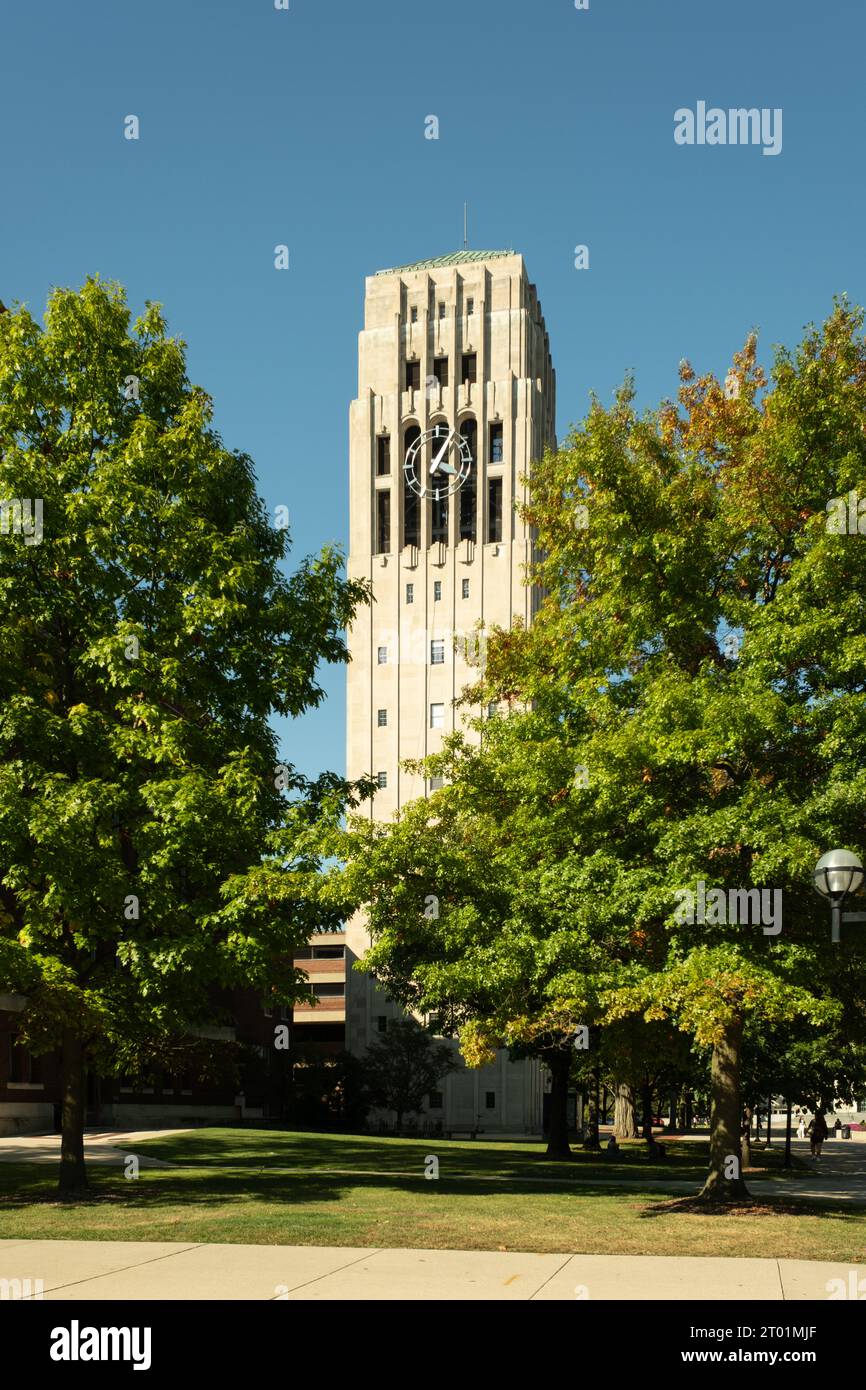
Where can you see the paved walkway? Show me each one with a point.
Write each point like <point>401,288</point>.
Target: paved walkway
<point>100,1146</point>
<point>132,1270</point>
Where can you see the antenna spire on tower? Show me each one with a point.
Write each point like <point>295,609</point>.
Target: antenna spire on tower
<point>465,226</point>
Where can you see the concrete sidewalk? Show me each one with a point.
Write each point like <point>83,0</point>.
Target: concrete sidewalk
<point>133,1270</point>
<point>100,1146</point>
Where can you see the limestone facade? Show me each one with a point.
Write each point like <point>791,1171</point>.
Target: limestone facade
<point>460,342</point>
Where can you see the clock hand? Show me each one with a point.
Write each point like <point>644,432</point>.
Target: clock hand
<point>442,452</point>
<point>446,468</point>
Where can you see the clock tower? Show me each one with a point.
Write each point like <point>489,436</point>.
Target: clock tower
<point>456,398</point>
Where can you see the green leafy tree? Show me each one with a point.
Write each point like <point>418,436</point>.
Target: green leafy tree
<point>639,1060</point>
<point>486,902</point>
<point>146,639</point>
<point>701,646</point>
<point>404,1065</point>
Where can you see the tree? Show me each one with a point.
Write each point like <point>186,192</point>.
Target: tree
<point>404,1066</point>
<point>640,1059</point>
<point>145,640</point>
<point>486,901</point>
<point>702,636</point>
<point>326,1092</point>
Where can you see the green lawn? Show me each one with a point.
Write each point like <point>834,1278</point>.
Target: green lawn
<point>274,1148</point>
<point>270,1187</point>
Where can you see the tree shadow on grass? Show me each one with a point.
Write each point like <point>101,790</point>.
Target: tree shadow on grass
<point>200,1188</point>
<point>293,1148</point>
<point>696,1205</point>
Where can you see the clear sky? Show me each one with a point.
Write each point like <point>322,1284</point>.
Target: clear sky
<point>306,127</point>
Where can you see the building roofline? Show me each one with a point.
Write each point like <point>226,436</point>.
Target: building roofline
<point>453,258</point>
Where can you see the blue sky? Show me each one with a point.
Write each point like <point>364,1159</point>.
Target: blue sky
<point>306,127</point>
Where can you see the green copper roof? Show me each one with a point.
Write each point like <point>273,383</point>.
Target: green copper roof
<point>455,258</point>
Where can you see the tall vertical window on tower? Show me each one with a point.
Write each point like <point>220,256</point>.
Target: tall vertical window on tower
<point>468,492</point>
<point>383,455</point>
<point>411,507</point>
<point>440,370</point>
<point>494,509</point>
<point>439,520</point>
<point>413,375</point>
<point>468,367</point>
<point>383,521</point>
<point>496,443</point>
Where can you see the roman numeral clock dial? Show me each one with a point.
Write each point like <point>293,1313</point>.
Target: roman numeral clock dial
<point>438,463</point>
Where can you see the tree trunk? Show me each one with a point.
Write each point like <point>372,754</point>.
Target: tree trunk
<point>725,1180</point>
<point>590,1128</point>
<point>688,1111</point>
<point>559,1065</point>
<point>746,1136</point>
<point>624,1126</point>
<point>73,1174</point>
<point>646,1091</point>
<point>672,1107</point>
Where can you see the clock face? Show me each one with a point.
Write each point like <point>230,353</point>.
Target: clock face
<point>437,464</point>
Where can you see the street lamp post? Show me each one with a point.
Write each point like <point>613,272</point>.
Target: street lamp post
<point>838,875</point>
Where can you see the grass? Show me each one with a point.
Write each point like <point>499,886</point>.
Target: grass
<point>270,1187</point>
<point>269,1148</point>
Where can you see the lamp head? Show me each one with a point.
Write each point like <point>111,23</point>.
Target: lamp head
<point>838,873</point>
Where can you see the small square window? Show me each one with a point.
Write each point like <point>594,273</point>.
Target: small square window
<point>436,783</point>
<point>437,716</point>
<point>381,779</point>
<point>441,308</point>
<point>437,590</point>
<point>410,593</point>
<point>382,656</point>
<point>382,718</point>
<point>492,710</point>
<point>470,305</point>
<point>434,1100</point>
<point>437,652</point>
<point>465,588</point>
<point>413,313</point>
<point>382,1023</point>
<point>490,1100</point>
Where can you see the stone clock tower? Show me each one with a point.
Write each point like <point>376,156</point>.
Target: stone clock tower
<point>456,397</point>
